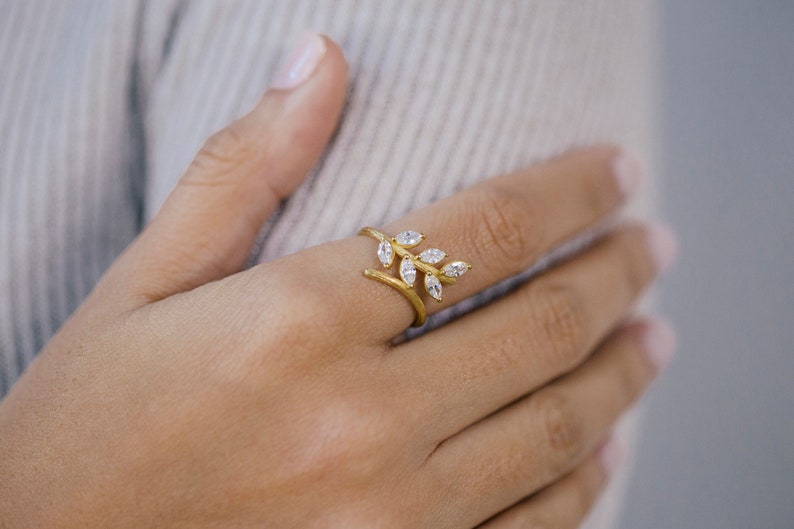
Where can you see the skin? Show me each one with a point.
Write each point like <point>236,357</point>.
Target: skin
<point>185,392</point>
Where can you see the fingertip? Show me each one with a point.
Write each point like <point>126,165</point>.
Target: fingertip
<point>335,53</point>
<point>332,72</point>
<point>662,244</point>
<point>315,57</point>
<point>337,70</point>
<point>299,65</point>
<point>659,342</point>
<point>301,109</point>
<point>628,172</point>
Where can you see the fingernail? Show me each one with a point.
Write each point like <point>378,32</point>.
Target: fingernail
<point>628,173</point>
<point>662,245</point>
<point>611,456</point>
<point>301,63</point>
<point>659,342</point>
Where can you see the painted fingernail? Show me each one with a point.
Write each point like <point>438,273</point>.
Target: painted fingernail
<point>301,63</point>
<point>628,173</point>
<point>611,456</point>
<point>659,342</point>
<point>663,245</point>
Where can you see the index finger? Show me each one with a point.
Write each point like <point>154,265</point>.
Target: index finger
<point>500,226</point>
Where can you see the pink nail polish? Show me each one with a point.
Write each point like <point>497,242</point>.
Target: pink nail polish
<point>628,173</point>
<point>301,63</point>
<point>659,342</point>
<point>662,245</point>
<point>611,456</point>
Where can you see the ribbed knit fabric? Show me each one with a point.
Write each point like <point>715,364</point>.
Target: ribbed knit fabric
<point>103,105</point>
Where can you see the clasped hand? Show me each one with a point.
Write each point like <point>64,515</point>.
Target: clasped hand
<point>185,392</point>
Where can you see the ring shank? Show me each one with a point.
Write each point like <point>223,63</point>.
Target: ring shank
<point>408,292</point>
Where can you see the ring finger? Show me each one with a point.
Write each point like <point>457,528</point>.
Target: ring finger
<point>534,441</point>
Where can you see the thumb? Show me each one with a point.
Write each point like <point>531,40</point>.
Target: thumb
<point>208,224</point>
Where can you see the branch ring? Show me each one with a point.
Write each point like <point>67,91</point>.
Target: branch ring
<point>391,248</point>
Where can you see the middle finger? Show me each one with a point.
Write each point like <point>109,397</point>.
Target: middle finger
<point>486,359</point>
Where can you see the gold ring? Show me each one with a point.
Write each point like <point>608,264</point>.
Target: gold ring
<point>410,264</point>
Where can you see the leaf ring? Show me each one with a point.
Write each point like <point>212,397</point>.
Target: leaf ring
<point>410,264</point>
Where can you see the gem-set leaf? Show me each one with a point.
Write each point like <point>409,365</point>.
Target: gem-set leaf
<point>386,253</point>
<point>409,239</point>
<point>456,269</point>
<point>433,286</point>
<point>411,264</point>
<point>408,271</point>
<point>432,256</point>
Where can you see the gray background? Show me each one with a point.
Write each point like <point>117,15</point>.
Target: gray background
<point>718,447</point>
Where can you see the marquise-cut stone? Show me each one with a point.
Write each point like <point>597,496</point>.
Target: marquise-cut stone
<point>432,255</point>
<point>433,286</point>
<point>409,238</point>
<point>408,271</point>
<point>456,269</point>
<point>385,253</point>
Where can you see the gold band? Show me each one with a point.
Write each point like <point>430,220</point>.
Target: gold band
<point>405,290</point>
<point>410,264</point>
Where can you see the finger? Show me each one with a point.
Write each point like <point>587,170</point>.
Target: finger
<point>500,226</point>
<point>488,358</point>
<point>566,503</point>
<point>531,443</point>
<point>206,227</point>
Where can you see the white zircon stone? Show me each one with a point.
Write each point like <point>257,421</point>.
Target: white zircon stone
<point>456,269</point>
<point>432,255</point>
<point>385,253</point>
<point>408,271</point>
<point>433,286</point>
<point>409,238</point>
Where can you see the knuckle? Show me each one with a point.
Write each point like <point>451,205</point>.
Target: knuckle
<point>221,154</point>
<point>351,436</point>
<point>558,313</point>
<point>301,303</point>
<point>562,428</point>
<point>283,327</point>
<point>501,227</point>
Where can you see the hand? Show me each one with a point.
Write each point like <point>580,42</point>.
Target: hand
<point>186,393</point>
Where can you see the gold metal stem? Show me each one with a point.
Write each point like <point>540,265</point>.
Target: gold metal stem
<point>404,252</point>
<point>433,276</point>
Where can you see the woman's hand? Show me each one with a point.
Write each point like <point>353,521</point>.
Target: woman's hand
<point>185,393</point>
